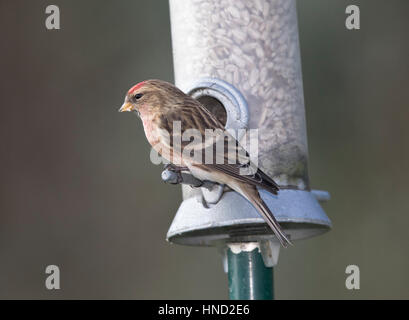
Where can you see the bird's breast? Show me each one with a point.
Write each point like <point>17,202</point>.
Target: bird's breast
<point>159,143</point>
<point>151,131</point>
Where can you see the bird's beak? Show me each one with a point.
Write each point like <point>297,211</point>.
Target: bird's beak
<point>126,107</point>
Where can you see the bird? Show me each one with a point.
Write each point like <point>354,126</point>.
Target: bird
<point>161,106</point>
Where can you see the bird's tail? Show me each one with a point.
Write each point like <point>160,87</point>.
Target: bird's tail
<point>253,196</point>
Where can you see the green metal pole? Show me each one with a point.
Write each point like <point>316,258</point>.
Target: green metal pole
<point>249,278</point>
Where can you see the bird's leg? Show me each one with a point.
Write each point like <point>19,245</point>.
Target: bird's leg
<point>175,168</point>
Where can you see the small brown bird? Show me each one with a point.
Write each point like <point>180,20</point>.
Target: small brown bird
<point>160,105</point>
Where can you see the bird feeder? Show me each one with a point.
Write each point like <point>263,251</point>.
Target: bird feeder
<point>241,59</point>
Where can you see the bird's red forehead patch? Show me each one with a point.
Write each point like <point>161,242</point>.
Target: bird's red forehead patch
<point>136,87</point>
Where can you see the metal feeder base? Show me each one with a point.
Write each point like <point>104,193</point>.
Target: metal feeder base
<point>234,219</point>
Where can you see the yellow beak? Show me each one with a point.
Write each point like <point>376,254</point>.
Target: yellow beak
<point>126,107</point>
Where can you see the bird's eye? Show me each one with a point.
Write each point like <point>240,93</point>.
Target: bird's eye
<point>138,96</point>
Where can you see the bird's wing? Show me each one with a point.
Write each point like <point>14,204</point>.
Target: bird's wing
<point>232,159</point>
<point>243,169</point>
<point>189,115</point>
<point>259,178</point>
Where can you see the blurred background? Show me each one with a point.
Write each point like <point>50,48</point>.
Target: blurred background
<point>78,189</point>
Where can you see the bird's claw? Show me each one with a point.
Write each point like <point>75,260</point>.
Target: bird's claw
<point>175,175</point>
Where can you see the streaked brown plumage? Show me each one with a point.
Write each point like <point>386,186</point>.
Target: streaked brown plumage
<point>160,104</point>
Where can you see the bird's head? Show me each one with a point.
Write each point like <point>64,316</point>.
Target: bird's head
<point>151,96</point>
<point>134,98</point>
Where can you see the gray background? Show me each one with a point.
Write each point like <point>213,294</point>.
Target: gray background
<point>78,189</point>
